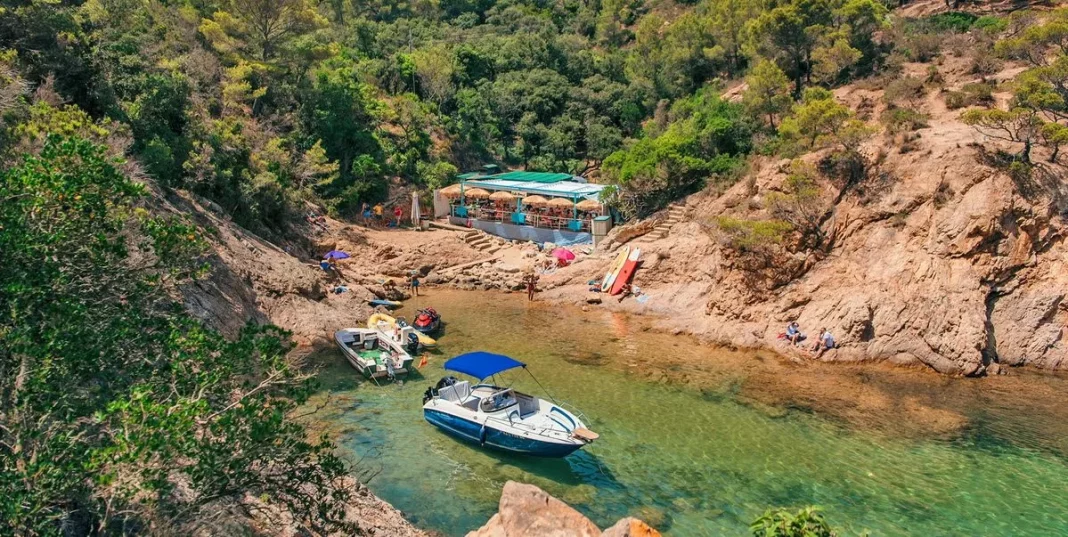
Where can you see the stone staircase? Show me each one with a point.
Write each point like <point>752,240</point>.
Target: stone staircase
<point>482,241</point>
<point>675,215</point>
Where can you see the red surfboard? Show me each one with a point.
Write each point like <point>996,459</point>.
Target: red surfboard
<point>626,272</point>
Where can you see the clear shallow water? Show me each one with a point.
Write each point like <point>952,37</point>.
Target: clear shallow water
<point>690,443</point>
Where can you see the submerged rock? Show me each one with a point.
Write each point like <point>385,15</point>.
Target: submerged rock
<point>630,527</point>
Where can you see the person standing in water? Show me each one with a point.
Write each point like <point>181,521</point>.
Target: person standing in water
<point>414,284</point>
<point>532,285</point>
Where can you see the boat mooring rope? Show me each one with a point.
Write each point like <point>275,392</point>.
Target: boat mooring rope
<point>551,398</point>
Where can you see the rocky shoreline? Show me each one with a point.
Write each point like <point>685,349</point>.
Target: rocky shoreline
<point>688,287</point>
<point>688,281</point>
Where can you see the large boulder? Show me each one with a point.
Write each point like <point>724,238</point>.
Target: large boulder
<point>630,527</point>
<point>528,511</point>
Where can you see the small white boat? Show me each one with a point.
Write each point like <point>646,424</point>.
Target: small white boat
<point>375,353</point>
<point>501,418</point>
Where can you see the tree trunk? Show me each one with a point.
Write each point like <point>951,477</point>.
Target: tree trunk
<point>1026,154</point>
<point>1053,156</point>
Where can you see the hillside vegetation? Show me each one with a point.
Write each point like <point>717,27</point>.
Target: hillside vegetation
<point>257,104</point>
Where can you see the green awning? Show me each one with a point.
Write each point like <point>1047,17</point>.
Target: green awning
<point>533,177</point>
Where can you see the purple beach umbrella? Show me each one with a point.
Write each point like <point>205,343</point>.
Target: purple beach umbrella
<point>336,254</point>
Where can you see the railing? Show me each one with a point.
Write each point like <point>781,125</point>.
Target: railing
<point>543,431</point>
<point>574,411</point>
<point>524,218</point>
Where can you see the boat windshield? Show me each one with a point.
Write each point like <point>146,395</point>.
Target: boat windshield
<point>498,401</point>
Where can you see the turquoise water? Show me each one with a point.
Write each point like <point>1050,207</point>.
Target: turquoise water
<point>699,441</point>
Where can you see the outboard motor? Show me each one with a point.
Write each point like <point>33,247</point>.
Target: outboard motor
<point>445,381</point>
<point>413,344</point>
<point>428,394</point>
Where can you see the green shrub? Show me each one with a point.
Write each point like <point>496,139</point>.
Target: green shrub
<point>956,99</point>
<point>950,21</point>
<point>706,138</point>
<point>969,95</point>
<point>982,92</point>
<point>904,89</point>
<point>991,24</point>
<point>752,235</point>
<point>985,63</point>
<point>903,120</point>
<point>923,47</point>
<point>934,76</point>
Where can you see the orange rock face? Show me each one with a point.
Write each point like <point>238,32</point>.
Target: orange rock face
<point>528,511</point>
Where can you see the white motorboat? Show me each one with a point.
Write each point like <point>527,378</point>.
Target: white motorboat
<point>498,417</point>
<point>375,353</point>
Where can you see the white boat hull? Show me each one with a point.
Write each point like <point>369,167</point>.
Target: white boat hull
<point>536,427</point>
<point>372,363</point>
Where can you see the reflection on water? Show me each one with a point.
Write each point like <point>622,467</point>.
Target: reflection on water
<point>699,441</point>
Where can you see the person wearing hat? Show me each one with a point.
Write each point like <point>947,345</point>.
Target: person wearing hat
<point>793,333</point>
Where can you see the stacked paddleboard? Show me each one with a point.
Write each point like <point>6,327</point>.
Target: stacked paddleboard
<point>614,268</point>
<point>626,271</point>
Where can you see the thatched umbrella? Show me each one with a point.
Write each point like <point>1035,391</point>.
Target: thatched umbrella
<point>562,203</point>
<point>451,191</point>
<point>588,205</point>
<point>476,193</point>
<point>501,195</point>
<point>535,201</point>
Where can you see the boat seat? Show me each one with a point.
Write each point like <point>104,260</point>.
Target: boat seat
<point>457,392</point>
<point>528,405</point>
<point>463,390</point>
<point>448,393</point>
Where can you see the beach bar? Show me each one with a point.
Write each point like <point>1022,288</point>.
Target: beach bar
<point>541,207</point>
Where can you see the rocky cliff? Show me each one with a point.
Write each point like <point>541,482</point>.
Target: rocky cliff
<point>252,279</point>
<point>938,257</point>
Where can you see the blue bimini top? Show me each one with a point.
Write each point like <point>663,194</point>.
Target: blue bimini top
<point>481,364</point>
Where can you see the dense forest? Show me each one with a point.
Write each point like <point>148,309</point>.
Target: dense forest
<point>257,103</point>
<point>120,414</point>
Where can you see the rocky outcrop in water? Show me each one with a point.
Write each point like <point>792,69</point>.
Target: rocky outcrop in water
<point>528,511</point>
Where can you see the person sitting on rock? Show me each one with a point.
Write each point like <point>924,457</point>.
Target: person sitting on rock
<point>793,333</point>
<point>824,343</point>
<point>625,291</point>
